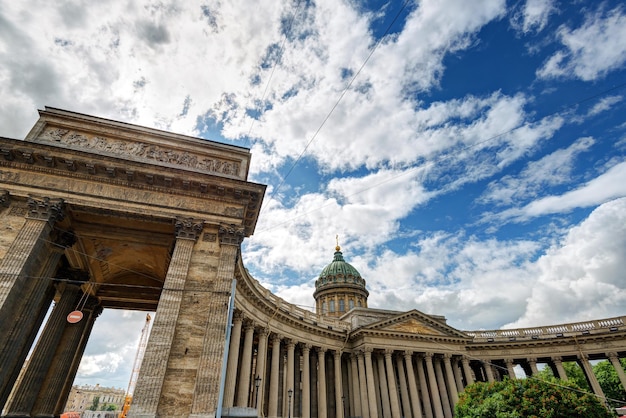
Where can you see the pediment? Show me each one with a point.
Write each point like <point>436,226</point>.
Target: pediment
<point>415,322</point>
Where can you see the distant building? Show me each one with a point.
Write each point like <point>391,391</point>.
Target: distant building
<point>82,397</point>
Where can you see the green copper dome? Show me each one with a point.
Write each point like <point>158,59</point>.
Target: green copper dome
<point>338,272</point>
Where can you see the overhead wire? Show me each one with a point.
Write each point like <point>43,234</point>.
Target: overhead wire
<point>439,158</point>
<point>332,109</point>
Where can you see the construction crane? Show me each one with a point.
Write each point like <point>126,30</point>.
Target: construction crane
<point>141,350</point>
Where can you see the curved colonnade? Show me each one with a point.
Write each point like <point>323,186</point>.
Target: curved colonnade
<point>287,361</point>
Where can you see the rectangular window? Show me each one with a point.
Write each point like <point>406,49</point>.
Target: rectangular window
<point>351,303</point>
<point>342,305</point>
<point>332,306</point>
<point>323,307</point>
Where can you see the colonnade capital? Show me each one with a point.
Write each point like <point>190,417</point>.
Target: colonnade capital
<point>46,209</point>
<point>238,316</point>
<point>276,338</point>
<point>188,228</point>
<point>231,234</point>
<point>408,353</point>
<point>612,355</point>
<point>557,359</point>
<point>5,198</point>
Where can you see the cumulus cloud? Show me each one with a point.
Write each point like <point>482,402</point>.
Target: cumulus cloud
<point>590,51</point>
<point>581,277</point>
<point>533,15</point>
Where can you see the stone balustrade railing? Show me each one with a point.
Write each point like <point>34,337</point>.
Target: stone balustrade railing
<point>552,331</point>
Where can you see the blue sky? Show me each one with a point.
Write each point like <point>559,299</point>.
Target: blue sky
<point>470,156</point>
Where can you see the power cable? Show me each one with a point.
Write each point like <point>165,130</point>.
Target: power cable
<point>453,153</point>
<point>343,93</point>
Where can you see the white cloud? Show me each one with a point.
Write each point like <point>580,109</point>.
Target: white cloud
<point>581,278</point>
<point>552,169</point>
<point>604,104</point>
<point>605,187</point>
<point>534,15</point>
<point>590,51</point>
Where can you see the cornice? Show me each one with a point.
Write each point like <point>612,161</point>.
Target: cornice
<point>68,163</point>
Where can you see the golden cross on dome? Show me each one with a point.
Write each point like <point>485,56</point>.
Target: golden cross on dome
<point>337,248</point>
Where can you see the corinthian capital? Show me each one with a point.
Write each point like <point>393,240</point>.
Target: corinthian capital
<point>46,209</point>
<point>231,235</point>
<point>188,228</point>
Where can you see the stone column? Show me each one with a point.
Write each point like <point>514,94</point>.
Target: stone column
<point>434,388</point>
<point>384,387</point>
<point>467,370</point>
<point>338,387</point>
<point>355,400</point>
<point>260,369</point>
<point>29,386</point>
<point>246,365</point>
<point>233,360</point>
<point>560,370</point>
<point>510,368</point>
<point>369,376</point>
<point>447,363</point>
<point>291,346</point>
<point>363,385</point>
<point>414,394</point>
<point>321,389</point>
<point>208,375</point>
<point>488,371</point>
<point>272,411</point>
<point>458,376</point>
<point>24,297</point>
<point>150,380</point>
<point>614,359</point>
<point>60,375</point>
<point>583,359</point>
<point>532,362</point>
<point>92,311</point>
<point>428,406</point>
<point>306,381</point>
<point>443,391</point>
<point>393,388</point>
<point>404,391</point>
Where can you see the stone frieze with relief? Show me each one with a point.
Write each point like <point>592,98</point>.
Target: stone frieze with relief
<point>142,150</point>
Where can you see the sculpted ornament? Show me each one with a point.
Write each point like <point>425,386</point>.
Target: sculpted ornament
<point>143,150</point>
<point>188,228</point>
<point>46,209</point>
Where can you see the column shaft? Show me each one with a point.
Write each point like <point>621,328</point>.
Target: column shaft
<point>404,391</point>
<point>617,365</point>
<point>246,365</point>
<point>384,387</point>
<point>414,394</point>
<point>208,376</point>
<point>29,386</point>
<point>510,368</point>
<point>306,381</point>
<point>273,399</point>
<point>434,388</point>
<point>151,377</point>
<point>322,410</point>
<point>443,391</point>
<point>291,345</point>
<point>338,387</point>
<point>447,363</point>
<point>65,363</point>
<point>355,393</point>
<point>560,370</point>
<point>428,406</point>
<point>24,297</point>
<point>363,386</point>
<point>467,370</point>
<point>489,371</point>
<point>233,361</point>
<point>591,377</point>
<point>371,389</point>
<point>393,388</point>
<point>260,370</point>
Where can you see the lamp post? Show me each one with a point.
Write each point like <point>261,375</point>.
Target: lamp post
<point>257,383</point>
<point>289,392</point>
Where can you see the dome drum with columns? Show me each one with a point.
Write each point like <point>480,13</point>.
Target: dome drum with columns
<point>339,288</point>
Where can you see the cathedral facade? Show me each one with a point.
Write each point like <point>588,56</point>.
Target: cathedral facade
<point>99,214</point>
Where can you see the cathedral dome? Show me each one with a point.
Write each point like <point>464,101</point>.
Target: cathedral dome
<point>339,287</point>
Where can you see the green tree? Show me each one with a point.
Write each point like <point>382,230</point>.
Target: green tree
<point>610,383</point>
<point>573,371</point>
<point>550,398</point>
<point>94,403</point>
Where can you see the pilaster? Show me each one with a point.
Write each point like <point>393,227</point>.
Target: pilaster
<point>151,377</point>
<point>208,376</point>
